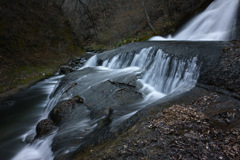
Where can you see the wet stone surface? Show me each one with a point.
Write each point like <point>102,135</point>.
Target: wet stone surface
<point>199,124</point>
<point>226,74</point>
<point>44,127</point>
<point>182,131</point>
<point>69,110</point>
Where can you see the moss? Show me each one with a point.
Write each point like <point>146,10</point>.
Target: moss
<point>126,41</point>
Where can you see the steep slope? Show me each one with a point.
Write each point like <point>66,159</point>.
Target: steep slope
<point>104,23</point>
<point>35,37</point>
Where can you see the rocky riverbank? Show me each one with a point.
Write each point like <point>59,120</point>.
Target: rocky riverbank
<point>202,123</point>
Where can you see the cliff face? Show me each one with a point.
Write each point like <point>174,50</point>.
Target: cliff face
<point>237,30</point>
<point>35,37</point>
<point>108,22</point>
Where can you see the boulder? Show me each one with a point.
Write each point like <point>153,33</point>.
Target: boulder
<point>65,69</point>
<point>69,110</point>
<point>44,127</point>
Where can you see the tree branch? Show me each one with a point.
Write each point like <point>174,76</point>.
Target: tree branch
<point>148,19</point>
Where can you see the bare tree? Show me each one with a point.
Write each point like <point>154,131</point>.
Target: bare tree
<point>88,13</point>
<point>147,17</point>
<point>86,9</point>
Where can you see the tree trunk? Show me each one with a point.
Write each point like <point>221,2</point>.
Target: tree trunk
<point>147,17</point>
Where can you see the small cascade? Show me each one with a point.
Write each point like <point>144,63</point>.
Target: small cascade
<point>162,72</point>
<point>158,75</point>
<point>91,62</point>
<point>214,24</point>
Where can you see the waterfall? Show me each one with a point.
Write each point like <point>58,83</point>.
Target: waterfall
<point>214,24</point>
<point>158,73</point>
<point>162,72</point>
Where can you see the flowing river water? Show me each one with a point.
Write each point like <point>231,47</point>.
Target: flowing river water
<point>158,75</point>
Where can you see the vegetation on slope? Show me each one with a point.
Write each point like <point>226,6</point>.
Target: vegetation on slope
<point>35,38</point>
<point>111,23</point>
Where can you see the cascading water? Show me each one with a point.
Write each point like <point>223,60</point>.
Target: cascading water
<point>158,70</point>
<point>25,111</point>
<point>158,75</point>
<point>215,23</point>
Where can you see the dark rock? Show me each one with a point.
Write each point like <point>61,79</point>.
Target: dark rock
<point>236,32</point>
<point>65,69</point>
<point>101,103</point>
<point>225,74</point>
<point>111,95</point>
<point>180,132</point>
<point>78,62</point>
<point>78,99</point>
<point>185,124</point>
<point>69,110</point>
<point>66,139</point>
<point>44,127</point>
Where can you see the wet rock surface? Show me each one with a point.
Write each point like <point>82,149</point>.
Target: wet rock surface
<point>225,74</point>
<point>65,69</point>
<point>200,124</point>
<point>45,127</point>
<point>85,113</point>
<point>73,64</point>
<point>69,110</point>
<point>203,123</point>
<point>180,131</point>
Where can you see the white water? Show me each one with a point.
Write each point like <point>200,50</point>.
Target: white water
<point>215,23</point>
<point>40,149</point>
<point>91,62</point>
<point>160,73</point>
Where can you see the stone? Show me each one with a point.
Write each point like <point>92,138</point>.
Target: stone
<point>68,110</point>
<point>65,69</point>
<point>44,127</point>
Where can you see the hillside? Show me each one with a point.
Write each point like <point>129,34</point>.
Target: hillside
<point>35,38</point>
<point>101,23</point>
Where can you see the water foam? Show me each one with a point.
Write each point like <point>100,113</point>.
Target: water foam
<point>214,24</point>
